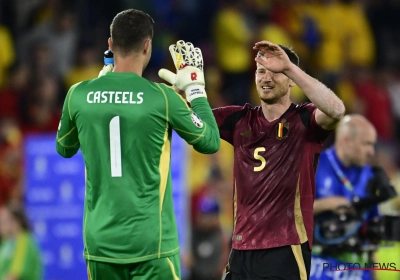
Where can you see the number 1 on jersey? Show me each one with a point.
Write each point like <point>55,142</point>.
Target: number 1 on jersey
<point>115,148</point>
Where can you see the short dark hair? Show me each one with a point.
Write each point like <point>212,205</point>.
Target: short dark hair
<point>129,30</point>
<point>293,57</point>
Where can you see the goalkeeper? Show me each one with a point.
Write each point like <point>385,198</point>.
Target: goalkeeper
<point>123,123</point>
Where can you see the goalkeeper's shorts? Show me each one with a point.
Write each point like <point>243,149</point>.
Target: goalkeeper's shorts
<point>157,269</point>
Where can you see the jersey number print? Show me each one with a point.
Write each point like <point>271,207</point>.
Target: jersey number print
<point>115,148</point>
<point>260,158</point>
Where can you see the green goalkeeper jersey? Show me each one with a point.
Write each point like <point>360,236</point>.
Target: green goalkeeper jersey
<point>123,123</point>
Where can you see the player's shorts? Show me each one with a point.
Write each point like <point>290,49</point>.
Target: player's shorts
<point>283,263</point>
<point>158,269</point>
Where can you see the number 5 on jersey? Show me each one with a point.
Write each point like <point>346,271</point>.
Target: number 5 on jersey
<point>260,158</point>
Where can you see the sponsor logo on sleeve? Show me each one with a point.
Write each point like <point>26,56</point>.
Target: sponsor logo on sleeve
<point>196,120</point>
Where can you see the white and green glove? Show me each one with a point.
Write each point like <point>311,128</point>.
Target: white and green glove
<point>189,75</point>
<point>106,68</point>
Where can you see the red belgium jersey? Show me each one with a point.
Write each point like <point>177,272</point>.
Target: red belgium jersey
<point>274,168</point>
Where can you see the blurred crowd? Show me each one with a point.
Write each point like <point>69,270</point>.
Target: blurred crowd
<point>48,45</point>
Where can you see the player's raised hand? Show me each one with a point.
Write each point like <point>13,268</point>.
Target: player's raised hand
<point>272,57</point>
<point>189,76</point>
<point>105,69</point>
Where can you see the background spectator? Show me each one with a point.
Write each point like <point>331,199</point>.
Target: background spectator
<point>19,255</point>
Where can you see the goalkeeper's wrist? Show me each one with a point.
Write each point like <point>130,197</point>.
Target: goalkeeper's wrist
<point>195,91</point>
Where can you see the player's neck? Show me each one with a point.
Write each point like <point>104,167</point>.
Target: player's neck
<point>274,111</point>
<point>128,65</point>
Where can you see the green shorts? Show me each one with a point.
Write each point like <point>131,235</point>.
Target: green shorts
<point>158,269</point>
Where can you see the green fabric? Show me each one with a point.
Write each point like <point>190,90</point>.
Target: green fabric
<point>352,257</point>
<point>20,258</point>
<point>123,124</point>
<point>157,269</point>
<point>349,257</point>
<point>389,253</point>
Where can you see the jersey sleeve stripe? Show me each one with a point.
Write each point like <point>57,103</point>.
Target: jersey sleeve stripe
<point>180,96</point>
<point>164,166</point>
<point>164,170</point>
<point>183,100</point>
<point>69,100</point>
<point>168,86</point>
<point>68,133</point>
<point>69,146</point>
<point>166,101</point>
<point>190,133</point>
<point>200,136</point>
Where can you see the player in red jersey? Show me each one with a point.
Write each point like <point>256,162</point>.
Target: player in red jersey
<point>276,148</point>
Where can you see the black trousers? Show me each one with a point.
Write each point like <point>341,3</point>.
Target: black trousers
<point>281,263</point>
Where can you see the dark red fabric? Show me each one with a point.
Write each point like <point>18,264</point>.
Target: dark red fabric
<point>265,199</point>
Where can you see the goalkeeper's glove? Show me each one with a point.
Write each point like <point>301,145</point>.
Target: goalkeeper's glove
<point>106,68</point>
<point>188,62</point>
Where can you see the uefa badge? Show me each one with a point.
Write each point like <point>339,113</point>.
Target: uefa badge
<point>196,120</point>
